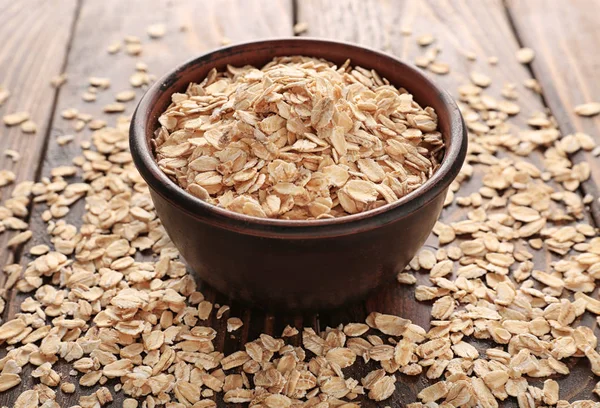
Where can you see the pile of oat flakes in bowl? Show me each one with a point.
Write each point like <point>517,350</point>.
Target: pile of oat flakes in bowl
<point>298,139</point>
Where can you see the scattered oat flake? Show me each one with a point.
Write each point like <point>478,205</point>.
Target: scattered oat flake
<point>222,310</point>
<point>533,84</point>
<point>588,109</point>
<point>58,80</point>
<point>440,68</point>
<point>115,107</point>
<point>132,39</point>
<point>114,47</point>
<point>141,66</point>
<point>300,27</point>
<point>138,79</point>
<point>69,113</point>
<point>133,49</point>
<point>96,124</point>
<point>88,97</point>
<point>6,177</point>
<point>525,55</point>
<point>125,96</point>
<point>406,278</point>
<point>16,118</point>
<point>156,30</point>
<point>8,381</point>
<point>28,126</point>
<point>79,125</point>
<point>233,324</point>
<point>480,79</point>
<point>13,154</point>
<point>422,61</point>
<point>289,331</point>
<point>99,82</point>
<point>19,239</point>
<point>67,387</point>
<point>425,40</point>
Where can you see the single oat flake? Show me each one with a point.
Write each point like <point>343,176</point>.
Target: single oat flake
<point>588,109</point>
<point>300,27</point>
<point>298,139</point>
<point>525,55</point>
<point>425,40</point>
<point>13,119</point>
<point>156,31</point>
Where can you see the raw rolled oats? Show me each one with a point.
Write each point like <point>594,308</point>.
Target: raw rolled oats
<point>96,307</point>
<point>525,55</point>
<point>300,27</point>
<point>480,79</point>
<point>115,107</point>
<point>28,126</point>
<point>114,47</point>
<point>125,96</point>
<point>425,40</point>
<point>588,109</point>
<point>16,118</point>
<point>156,31</point>
<point>234,323</point>
<point>298,139</point>
<point>58,80</point>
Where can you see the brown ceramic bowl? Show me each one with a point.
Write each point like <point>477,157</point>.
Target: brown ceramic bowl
<point>297,264</point>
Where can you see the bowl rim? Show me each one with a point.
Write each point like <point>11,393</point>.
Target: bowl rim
<point>157,180</point>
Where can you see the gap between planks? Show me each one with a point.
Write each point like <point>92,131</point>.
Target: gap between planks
<point>294,8</point>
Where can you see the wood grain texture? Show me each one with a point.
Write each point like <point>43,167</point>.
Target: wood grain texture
<point>459,27</point>
<point>565,37</point>
<point>193,28</point>
<point>35,36</point>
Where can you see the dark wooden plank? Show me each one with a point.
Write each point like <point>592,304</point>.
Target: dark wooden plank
<point>565,36</point>
<point>35,36</point>
<point>460,28</point>
<point>192,28</point>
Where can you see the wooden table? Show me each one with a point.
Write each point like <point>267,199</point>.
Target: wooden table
<point>44,38</point>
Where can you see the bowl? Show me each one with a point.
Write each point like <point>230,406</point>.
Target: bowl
<point>297,264</point>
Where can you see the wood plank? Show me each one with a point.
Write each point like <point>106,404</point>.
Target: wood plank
<point>460,27</point>
<point>192,28</point>
<point>35,35</point>
<point>566,66</point>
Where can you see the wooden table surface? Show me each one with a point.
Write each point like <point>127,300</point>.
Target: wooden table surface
<point>44,38</point>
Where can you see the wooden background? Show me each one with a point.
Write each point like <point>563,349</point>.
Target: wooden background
<point>43,38</point>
